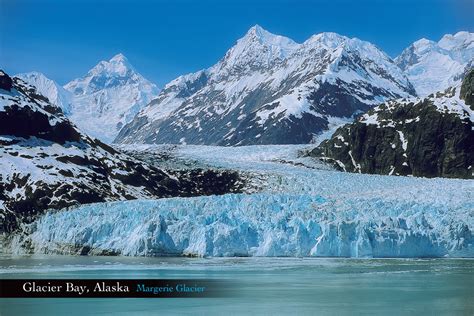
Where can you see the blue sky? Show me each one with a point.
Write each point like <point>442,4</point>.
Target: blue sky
<point>164,39</point>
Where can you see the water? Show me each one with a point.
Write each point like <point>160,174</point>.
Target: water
<point>268,286</point>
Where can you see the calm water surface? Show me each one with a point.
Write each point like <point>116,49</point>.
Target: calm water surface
<point>262,286</point>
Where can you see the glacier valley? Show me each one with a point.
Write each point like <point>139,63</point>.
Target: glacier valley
<point>293,207</point>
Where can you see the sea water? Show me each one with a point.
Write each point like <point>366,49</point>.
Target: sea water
<point>268,286</point>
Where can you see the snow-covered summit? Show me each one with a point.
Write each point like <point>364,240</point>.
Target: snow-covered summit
<point>435,66</point>
<point>460,40</point>
<point>265,37</point>
<point>423,44</point>
<point>258,48</point>
<point>106,74</point>
<point>109,96</point>
<point>119,58</point>
<point>328,39</point>
<point>103,100</point>
<point>268,89</point>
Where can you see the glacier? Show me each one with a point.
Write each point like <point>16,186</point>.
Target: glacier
<point>257,225</point>
<point>291,207</point>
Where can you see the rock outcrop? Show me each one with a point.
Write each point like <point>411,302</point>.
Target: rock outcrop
<point>467,90</point>
<point>5,81</point>
<point>430,137</point>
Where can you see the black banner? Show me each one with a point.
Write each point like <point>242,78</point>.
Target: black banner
<point>159,288</point>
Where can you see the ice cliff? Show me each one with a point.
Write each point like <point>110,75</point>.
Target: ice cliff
<point>258,225</point>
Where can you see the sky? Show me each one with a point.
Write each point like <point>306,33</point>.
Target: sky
<point>164,39</point>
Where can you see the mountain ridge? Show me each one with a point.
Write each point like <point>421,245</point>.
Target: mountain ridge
<point>269,89</point>
<point>298,88</point>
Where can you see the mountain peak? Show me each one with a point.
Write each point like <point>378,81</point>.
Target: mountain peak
<point>109,96</point>
<point>423,42</point>
<point>32,77</point>
<point>119,58</point>
<point>460,40</point>
<point>38,80</point>
<point>259,32</point>
<point>118,64</point>
<point>424,45</point>
<point>31,74</point>
<point>330,39</point>
<point>434,66</point>
<point>258,48</point>
<point>106,74</point>
<point>256,28</point>
<point>116,71</point>
<point>266,38</point>
<point>459,35</point>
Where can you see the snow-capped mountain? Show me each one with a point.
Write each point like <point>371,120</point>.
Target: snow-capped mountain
<point>435,66</point>
<point>46,162</point>
<point>108,97</point>
<point>102,101</point>
<point>424,137</point>
<point>55,93</point>
<point>268,89</point>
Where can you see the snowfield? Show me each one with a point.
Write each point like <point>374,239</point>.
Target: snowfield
<point>294,207</point>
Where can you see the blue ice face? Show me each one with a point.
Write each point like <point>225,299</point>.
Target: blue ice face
<point>261,225</point>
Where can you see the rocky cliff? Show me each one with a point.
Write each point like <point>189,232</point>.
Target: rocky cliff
<point>429,137</point>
